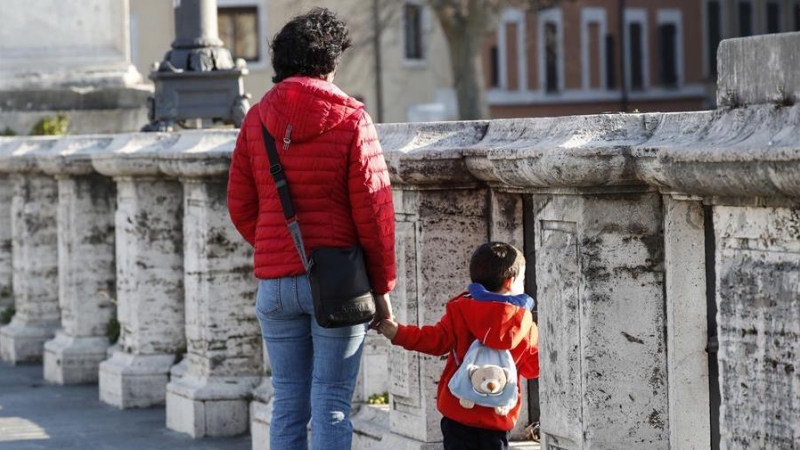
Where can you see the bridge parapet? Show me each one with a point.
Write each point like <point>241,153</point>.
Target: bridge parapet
<point>653,242</point>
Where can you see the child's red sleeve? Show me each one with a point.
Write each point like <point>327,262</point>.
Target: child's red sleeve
<point>430,339</point>
<point>528,357</point>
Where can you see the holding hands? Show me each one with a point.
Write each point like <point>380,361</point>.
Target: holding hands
<point>388,328</point>
<point>383,321</point>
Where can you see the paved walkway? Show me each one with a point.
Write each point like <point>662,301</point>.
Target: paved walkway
<point>35,415</point>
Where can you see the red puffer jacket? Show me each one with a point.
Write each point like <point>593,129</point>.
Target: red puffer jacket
<point>337,177</point>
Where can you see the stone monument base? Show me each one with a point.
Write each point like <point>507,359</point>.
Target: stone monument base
<point>135,381</point>
<point>88,110</point>
<point>73,360</point>
<point>216,406</point>
<point>24,341</point>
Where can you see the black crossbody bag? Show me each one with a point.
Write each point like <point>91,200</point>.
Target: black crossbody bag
<point>338,277</point>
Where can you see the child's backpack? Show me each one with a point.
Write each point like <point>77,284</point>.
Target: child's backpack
<point>486,377</point>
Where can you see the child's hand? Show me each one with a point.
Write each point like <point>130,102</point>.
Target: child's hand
<point>388,328</point>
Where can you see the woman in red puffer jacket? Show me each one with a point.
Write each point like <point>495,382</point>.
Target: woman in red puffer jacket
<point>340,190</point>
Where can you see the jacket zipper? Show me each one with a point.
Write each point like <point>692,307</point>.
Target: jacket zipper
<point>287,138</point>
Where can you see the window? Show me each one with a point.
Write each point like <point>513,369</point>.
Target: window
<point>412,15</point>
<point>494,67</point>
<point>796,17</point>
<point>773,17</point>
<point>551,55</point>
<point>611,64</point>
<point>714,26</point>
<point>594,71</point>
<point>550,47</point>
<point>745,11</point>
<point>238,29</point>
<point>636,55</point>
<point>512,58</point>
<point>667,72</point>
<point>670,44</point>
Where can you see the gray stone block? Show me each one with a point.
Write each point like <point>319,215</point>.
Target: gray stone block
<point>73,360</point>
<point>216,406</point>
<point>759,69</point>
<point>134,381</point>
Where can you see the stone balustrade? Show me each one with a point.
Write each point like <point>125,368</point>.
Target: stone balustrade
<point>652,240</point>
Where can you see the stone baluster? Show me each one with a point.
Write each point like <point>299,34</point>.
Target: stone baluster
<point>86,284</point>
<point>599,276</point>
<point>224,362</point>
<point>34,253</point>
<point>149,255</point>
<point>6,194</point>
<point>440,220</point>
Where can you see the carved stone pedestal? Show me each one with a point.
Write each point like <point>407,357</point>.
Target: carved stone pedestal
<point>34,253</point>
<point>149,255</point>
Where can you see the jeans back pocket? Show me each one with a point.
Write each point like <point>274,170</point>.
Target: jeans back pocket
<point>268,298</point>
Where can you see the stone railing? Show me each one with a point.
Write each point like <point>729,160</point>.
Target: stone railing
<point>651,240</point>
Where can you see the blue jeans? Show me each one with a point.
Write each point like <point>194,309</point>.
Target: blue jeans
<point>314,369</point>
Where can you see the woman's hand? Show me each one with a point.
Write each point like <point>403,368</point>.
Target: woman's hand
<point>383,310</point>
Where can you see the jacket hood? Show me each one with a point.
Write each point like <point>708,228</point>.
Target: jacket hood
<point>311,106</point>
<point>494,319</point>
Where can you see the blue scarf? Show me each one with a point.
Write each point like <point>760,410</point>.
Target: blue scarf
<point>479,293</point>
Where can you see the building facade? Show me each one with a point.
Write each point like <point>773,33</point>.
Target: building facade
<point>410,83</point>
<point>571,59</point>
<point>565,60</point>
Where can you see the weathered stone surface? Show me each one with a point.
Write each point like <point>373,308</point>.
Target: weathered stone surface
<point>436,234</point>
<point>6,271</point>
<point>86,277</point>
<point>86,44</point>
<point>372,378</point>
<point>35,268</point>
<point>687,330</point>
<point>506,225</point>
<point>744,152</point>
<point>556,152</point>
<point>223,338</point>
<point>129,380</point>
<point>133,155</point>
<point>370,425</point>
<point>80,66</point>
<point>758,299</point>
<point>150,296</point>
<point>261,414</point>
<point>70,359</point>
<point>599,269</point>
<point>199,154</point>
<point>429,154</point>
<point>758,69</point>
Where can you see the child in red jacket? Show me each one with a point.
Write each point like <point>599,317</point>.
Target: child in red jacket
<point>494,310</point>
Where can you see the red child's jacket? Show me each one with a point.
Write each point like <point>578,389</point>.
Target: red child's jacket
<point>499,324</point>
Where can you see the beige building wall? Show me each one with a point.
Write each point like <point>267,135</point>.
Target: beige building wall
<point>405,83</point>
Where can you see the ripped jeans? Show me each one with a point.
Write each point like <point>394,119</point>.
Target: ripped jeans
<point>314,369</point>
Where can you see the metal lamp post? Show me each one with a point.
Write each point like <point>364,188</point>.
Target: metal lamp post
<point>198,79</point>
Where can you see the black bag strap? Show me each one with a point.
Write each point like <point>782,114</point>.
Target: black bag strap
<point>276,170</point>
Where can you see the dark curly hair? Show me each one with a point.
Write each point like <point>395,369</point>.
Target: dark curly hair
<point>310,44</point>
